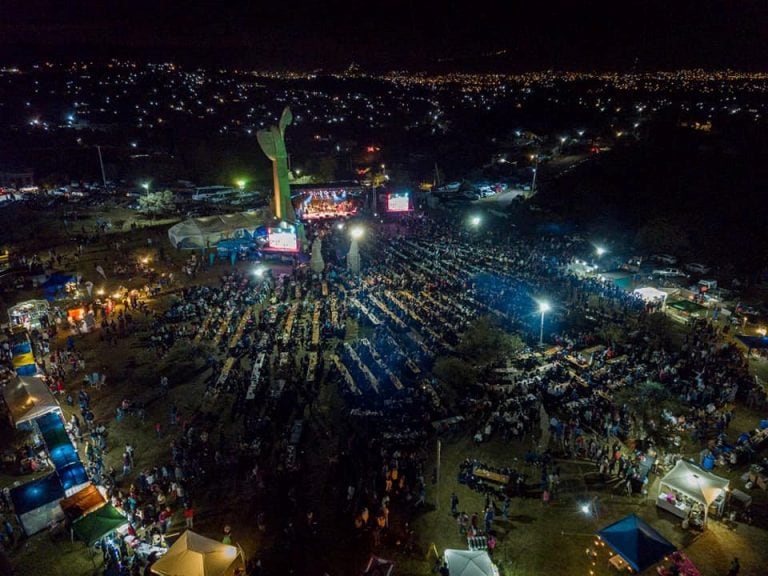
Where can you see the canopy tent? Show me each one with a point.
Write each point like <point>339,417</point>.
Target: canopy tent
<point>36,503</point>
<point>98,524</point>
<point>470,563</point>
<point>57,441</point>
<point>636,542</point>
<point>205,232</point>
<point>650,294</point>
<point>695,483</point>
<point>22,353</point>
<point>83,502</point>
<point>28,313</point>
<point>196,555</point>
<point>754,342</point>
<point>28,398</point>
<point>56,283</point>
<point>73,477</point>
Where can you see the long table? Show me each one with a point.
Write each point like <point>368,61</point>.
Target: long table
<point>491,476</point>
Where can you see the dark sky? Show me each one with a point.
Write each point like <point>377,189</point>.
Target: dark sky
<point>462,34</point>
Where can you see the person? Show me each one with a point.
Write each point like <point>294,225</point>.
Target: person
<point>488,519</point>
<point>505,509</point>
<point>444,569</point>
<point>735,567</point>
<point>462,520</point>
<point>454,504</point>
<point>189,516</point>
<point>491,543</point>
<point>227,539</point>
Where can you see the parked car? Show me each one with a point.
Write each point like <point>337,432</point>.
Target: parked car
<point>633,264</point>
<point>697,268</point>
<point>665,258</point>
<point>669,272</point>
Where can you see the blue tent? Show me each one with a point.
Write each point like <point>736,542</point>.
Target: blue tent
<point>55,284</point>
<point>37,493</point>
<point>73,475</point>
<point>640,545</point>
<point>754,342</point>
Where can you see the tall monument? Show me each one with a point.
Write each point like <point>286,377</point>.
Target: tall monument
<point>272,142</point>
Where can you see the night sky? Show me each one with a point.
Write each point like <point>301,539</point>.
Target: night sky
<point>506,35</point>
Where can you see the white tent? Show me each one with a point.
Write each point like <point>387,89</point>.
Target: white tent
<point>470,563</point>
<point>196,555</point>
<point>695,483</point>
<point>28,398</point>
<point>650,294</point>
<point>205,232</point>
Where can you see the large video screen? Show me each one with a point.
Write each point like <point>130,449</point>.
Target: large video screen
<point>319,203</point>
<point>282,239</point>
<point>399,202</point>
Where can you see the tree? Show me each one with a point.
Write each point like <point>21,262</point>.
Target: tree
<point>156,202</point>
<point>485,343</point>
<point>456,374</point>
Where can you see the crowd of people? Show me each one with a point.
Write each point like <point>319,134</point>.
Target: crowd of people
<point>271,340</point>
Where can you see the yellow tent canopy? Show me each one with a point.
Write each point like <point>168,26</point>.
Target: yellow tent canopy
<point>196,555</point>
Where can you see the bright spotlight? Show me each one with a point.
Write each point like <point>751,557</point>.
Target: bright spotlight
<point>585,508</point>
<point>475,221</point>
<point>259,272</point>
<point>600,250</point>
<point>544,307</point>
<point>357,232</point>
<point>340,226</point>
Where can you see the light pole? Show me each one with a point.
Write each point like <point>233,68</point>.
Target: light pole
<point>544,307</point>
<point>535,160</point>
<point>353,257</point>
<point>145,185</point>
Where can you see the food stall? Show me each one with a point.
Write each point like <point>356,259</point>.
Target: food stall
<point>688,492</point>
<point>30,314</point>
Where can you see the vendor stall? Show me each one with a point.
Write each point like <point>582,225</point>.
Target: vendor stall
<point>196,555</point>
<point>30,314</point>
<point>690,491</point>
<point>636,544</point>
<point>99,523</point>
<point>37,503</point>
<point>82,503</point>
<point>28,398</point>
<point>58,285</point>
<point>652,295</point>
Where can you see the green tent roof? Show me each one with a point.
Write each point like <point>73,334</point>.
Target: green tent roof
<point>98,524</point>
<point>686,306</point>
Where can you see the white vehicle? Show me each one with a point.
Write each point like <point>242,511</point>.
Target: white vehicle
<point>668,272</point>
<point>697,268</point>
<point>215,194</point>
<point>665,258</point>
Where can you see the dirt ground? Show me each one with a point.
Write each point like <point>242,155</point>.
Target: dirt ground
<point>537,539</point>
